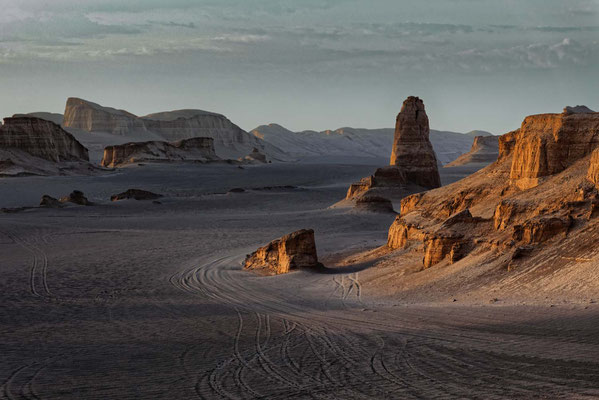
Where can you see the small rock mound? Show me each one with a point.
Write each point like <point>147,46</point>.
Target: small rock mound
<point>50,202</point>
<point>136,194</point>
<point>256,156</point>
<point>374,204</point>
<point>76,197</point>
<point>293,251</point>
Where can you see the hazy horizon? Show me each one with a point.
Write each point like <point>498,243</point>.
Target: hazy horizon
<point>316,65</point>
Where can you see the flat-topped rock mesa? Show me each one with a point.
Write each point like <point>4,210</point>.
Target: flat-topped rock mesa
<point>92,117</point>
<point>547,144</point>
<point>539,199</point>
<point>230,141</point>
<point>40,138</point>
<point>412,149</point>
<point>199,149</point>
<point>293,251</point>
<point>485,150</point>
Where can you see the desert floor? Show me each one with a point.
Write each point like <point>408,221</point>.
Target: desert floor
<point>131,300</point>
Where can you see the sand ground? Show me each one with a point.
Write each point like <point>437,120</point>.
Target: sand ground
<point>133,300</point>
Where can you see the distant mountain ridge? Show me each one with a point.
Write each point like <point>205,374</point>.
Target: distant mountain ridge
<point>362,142</point>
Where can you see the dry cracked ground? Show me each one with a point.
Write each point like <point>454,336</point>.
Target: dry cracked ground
<point>132,300</point>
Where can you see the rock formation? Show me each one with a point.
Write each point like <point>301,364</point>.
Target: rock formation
<point>412,149</point>
<point>196,149</point>
<point>385,179</point>
<point>296,250</point>
<point>373,203</point>
<point>76,197</point>
<point>230,141</point>
<point>92,117</point>
<point>484,151</point>
<point>413,161</point>
<point>50,202</point>
<point>540,190</point>
<point>255,157</point>
<point>42,139</point>
<point>547,144</point>
<point>136,194</point>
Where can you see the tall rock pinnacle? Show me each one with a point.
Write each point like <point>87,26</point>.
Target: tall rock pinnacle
<point>412,149</point>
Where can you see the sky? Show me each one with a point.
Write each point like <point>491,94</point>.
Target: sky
<point>304,64</point>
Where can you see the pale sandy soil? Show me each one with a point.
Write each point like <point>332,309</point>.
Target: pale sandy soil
<point>135,300</point>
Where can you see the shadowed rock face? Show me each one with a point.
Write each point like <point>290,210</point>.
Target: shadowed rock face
<point>296,250</point>
<point>136,194</point>
<point>376,204</point>
<point>41,138</point>
<point>412,149</point>
<point>196,149</point>
<point>547,144</point>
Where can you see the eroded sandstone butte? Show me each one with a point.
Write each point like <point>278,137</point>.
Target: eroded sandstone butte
<point>413,164</point>
<point>505,214</point>
<point>293,251</point>
<point>196,149</point>
<point>547,144</point>
<point>412,150</point>
<point>42,139</point>
<point>485,150</point>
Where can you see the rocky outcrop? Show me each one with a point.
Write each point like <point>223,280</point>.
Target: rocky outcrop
<point>293,251</point>
<point>375,204</point>
<point>50,202</point>
<point>505,212</point>
<point>412,149</point>
<point>441,245</point>
<point>593,171</point>
<point>385,177</point>
<point>507,143</point>
<point>547,144</point>
<point>196,149</point>
<point>541,229</point>
<point>136,194</point>
<point>578,110</point>
<point>42,139</point>
<point>255,157</point>
<point>489,213</point>
<point>76,197</point>
<point>402,231</point>
<point>484,151</point>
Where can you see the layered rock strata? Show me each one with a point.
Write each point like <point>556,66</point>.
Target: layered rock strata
<point>42,139</point>
<point>499,210</point>
<point>196,149</point>
<point>293,251</point>
<point>547,144</point>
<point>412,149</point>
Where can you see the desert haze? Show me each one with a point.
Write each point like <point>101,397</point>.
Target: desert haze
<point>177,255</point>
